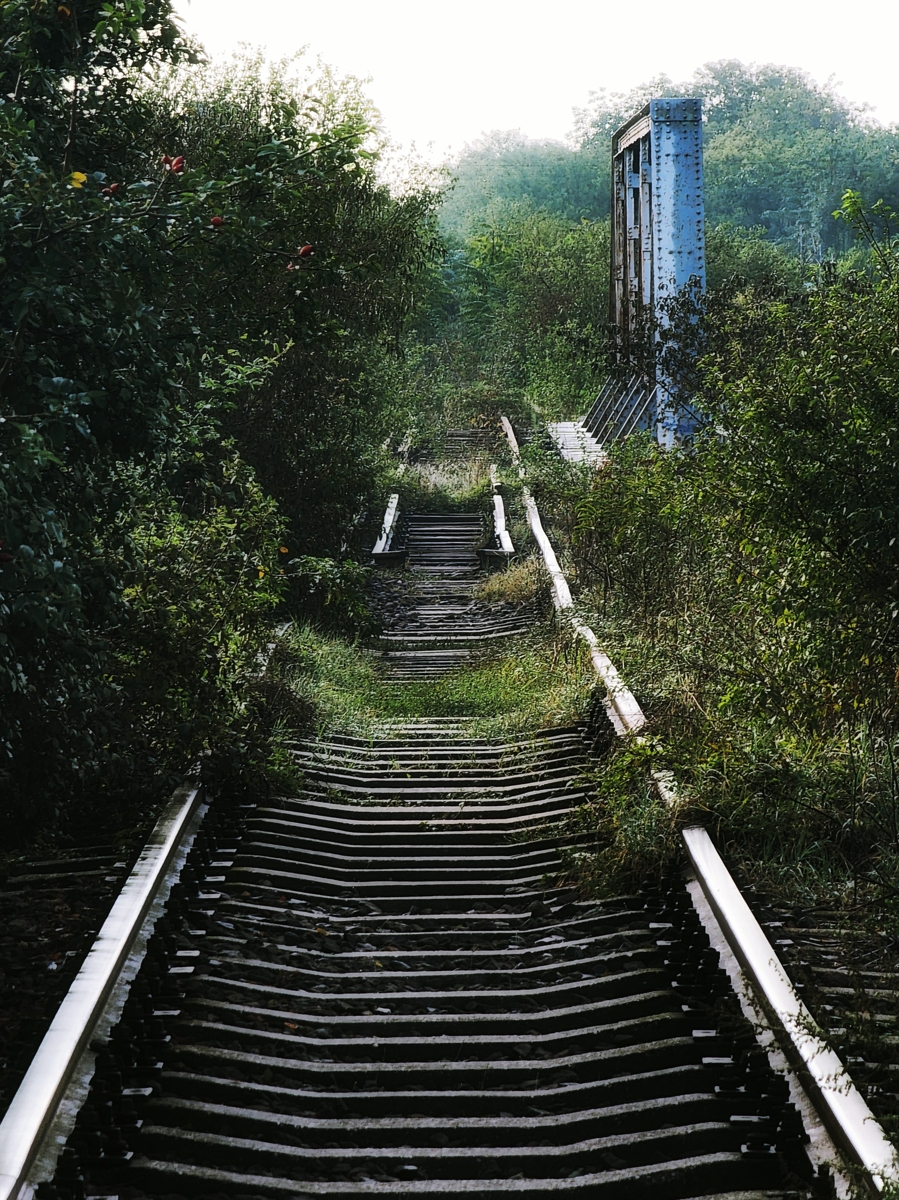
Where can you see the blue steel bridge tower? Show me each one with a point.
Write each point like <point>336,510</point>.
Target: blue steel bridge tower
<point>658,241</point>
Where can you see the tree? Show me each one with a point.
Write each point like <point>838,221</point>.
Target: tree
<point>529,313</point>
<point>504,170</point>
<point>174,244</point>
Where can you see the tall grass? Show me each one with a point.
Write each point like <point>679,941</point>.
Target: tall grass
<point>777,719</point>
<point>334,686</point>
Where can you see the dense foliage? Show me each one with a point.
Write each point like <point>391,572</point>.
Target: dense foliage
<point>515,319</point>
<point>214,314</point>
<point>534,298</point>
<point>749,589</point>
<point>505,172</point>
<point>204,292</point>
<point>521,309</point>
<point>780,150</point>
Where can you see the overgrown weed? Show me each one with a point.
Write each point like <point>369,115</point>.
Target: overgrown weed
<point>448,484</point>
<point>771,699</point>
<point>522,582</point>
<point>545,682</point>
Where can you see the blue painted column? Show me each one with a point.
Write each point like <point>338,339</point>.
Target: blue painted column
<point>678,232</point>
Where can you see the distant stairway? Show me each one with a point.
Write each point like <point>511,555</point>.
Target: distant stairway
<point>441,626</point>
<point>624,406</point>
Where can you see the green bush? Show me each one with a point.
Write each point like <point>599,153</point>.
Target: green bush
<point>205,294</point>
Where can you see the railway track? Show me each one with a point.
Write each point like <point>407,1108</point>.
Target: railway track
<point>383,983</point>
<point>442,626</point>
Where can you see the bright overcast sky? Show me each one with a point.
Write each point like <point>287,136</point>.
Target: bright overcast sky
<point>444,73</point>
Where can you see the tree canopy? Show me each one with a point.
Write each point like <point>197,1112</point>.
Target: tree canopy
<point>780,150</point>
<point>205,291</point>
<point>505,172</point>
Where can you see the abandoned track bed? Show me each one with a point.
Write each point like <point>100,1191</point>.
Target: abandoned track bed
<point>383,982</point>
<point>458,1024</point>
<point>440,625</point>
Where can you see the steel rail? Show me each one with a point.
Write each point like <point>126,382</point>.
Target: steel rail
<point>842,1108</point>
<point>624,711</point>
<point>500,529</point>
<point>35,1104</point>
<point>499,525</point>
<point>834,1095</point>
<point>832,1091</point>
<point>390,517</point>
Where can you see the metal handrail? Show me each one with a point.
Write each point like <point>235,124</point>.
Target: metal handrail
<point>600,413</point>
<point>609,386</point>
<point>632,421</point>
<point>34,1106</point>
<point>833,1093</point>
<point>618,398</point>
<point>620,407</point>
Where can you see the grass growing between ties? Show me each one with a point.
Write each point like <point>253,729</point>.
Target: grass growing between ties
<point>456,483</point>
<point>337,688</point>
<point>434,484</point>
<point>521,582</point>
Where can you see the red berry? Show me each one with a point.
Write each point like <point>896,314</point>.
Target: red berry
<point>178,164</point>
<point>218,222</point>
<point>305,251</point>
<point>166,160</point>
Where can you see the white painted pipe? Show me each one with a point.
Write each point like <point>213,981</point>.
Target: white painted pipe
<point>499,525</point>
<point>389,521</point>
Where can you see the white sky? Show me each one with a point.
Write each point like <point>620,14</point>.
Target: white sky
<point>442,74</point>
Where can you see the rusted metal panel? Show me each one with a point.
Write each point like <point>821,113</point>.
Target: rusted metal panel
<point>632,263</point>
